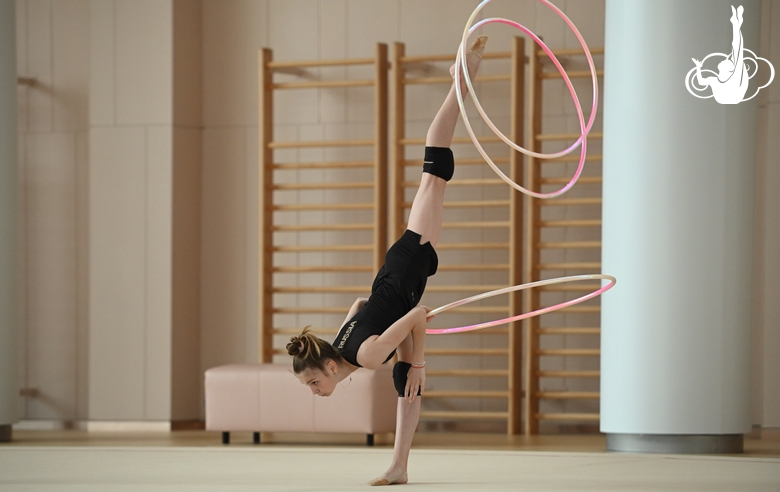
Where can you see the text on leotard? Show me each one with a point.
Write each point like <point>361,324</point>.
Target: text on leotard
<point>346,335</point>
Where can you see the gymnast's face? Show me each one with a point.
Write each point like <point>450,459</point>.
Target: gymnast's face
<point>321,383</point>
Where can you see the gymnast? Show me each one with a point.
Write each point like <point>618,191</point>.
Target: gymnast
<point>391,318</point>
<point>732,81</point>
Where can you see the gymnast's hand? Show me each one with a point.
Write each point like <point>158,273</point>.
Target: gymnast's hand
<point>428,317</point>
<point>415,381</point>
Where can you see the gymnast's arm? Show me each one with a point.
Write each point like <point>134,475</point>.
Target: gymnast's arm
<point>356,306</point>
<point>373,352</point>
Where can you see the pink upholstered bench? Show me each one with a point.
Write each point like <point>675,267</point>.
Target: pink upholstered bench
<point>269,398</point>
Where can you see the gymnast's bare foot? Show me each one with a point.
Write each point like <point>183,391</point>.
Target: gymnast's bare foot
<point>384,480</point>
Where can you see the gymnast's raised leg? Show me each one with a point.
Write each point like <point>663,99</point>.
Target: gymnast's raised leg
<point>425,219</point>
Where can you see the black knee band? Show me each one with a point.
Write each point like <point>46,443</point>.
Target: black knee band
<point>400,375</point>
<point>439,162</point>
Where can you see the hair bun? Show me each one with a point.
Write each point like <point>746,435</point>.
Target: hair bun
<point>297,346</point>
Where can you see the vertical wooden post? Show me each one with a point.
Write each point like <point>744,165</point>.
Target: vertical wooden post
<point>265,214</point>
<point>397,150</point>
<point>380,155</point>
<point>532,212</point>
<point>514,426</point>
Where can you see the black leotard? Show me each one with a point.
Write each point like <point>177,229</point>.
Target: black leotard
<point>396,290</point>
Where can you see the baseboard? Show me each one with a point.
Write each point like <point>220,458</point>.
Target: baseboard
<point>770,433</point>
<point>184,425</point>
<point>108,425</point>
<point>755,432</point>
<point>128,426</point>
<point>46,425</point>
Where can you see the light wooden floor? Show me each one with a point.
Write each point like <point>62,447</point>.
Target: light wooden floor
<point>584,443</point>
<point>69,461</point>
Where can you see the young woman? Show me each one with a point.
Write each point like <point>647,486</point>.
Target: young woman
<point>391,319</point>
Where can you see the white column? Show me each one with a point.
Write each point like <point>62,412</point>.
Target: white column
<point>8,208</point>
<point>679,176</point>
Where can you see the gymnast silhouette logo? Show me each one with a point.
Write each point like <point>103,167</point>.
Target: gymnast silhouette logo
<point>730,84</point>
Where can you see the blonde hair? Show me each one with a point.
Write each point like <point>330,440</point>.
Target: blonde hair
<point>311,352</point>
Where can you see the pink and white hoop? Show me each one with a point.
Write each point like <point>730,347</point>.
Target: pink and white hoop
<point>507,290</point>
<point>461,68</point>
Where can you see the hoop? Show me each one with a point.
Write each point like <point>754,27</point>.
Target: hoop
<point>461,66</point>
<point>506,290</point>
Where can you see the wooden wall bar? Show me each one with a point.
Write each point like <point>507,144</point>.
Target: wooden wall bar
<point>317,257</point>
<point>493,394</point>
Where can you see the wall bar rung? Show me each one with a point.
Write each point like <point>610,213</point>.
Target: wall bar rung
<point>323,84</point>
<point>464,182</point>
<point>569,331</point>
<point>458,246</point>
<point>413,60</point>
<point>569,245</point>
<point>325,227</point>
<point>568,416</point>
<point>563,202</point>
<point>322,248</point>
<point>481,310</point>
<point>323,269</point>
<point>568,374</point>
<point>566,179</point>
<point>571,223</point>
<point>320,143</point>
<point>572,287</point>
<point>593,265</point>
<point>500,267</point>
<point>318,207</point>
<point>573,158</point>
<point>331,289</point>
<point>570,52</point>
<point>453,415</point>
<point>570,352</point>
<point>275,65</point>
<point>469,204</point>
<point>478,373</point>
<point>296,330</point>
<point>579,309</point>
<point>466,394</point>
<point>323,165</point>
<point>458,140</point>
<point>448,79</point>
<point>463,288</point>
<point>466,161</point>
<point>574,74</point>
<point>321,310</point>
<point>547,137</point>
<point>476,225</point>
<point>477,352</point>
<point>568,395</point>
<point>322,186</point>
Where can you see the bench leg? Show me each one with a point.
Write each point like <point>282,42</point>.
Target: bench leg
<point>256,438</point>
<point>226,438</point>
<point>369,439</point>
